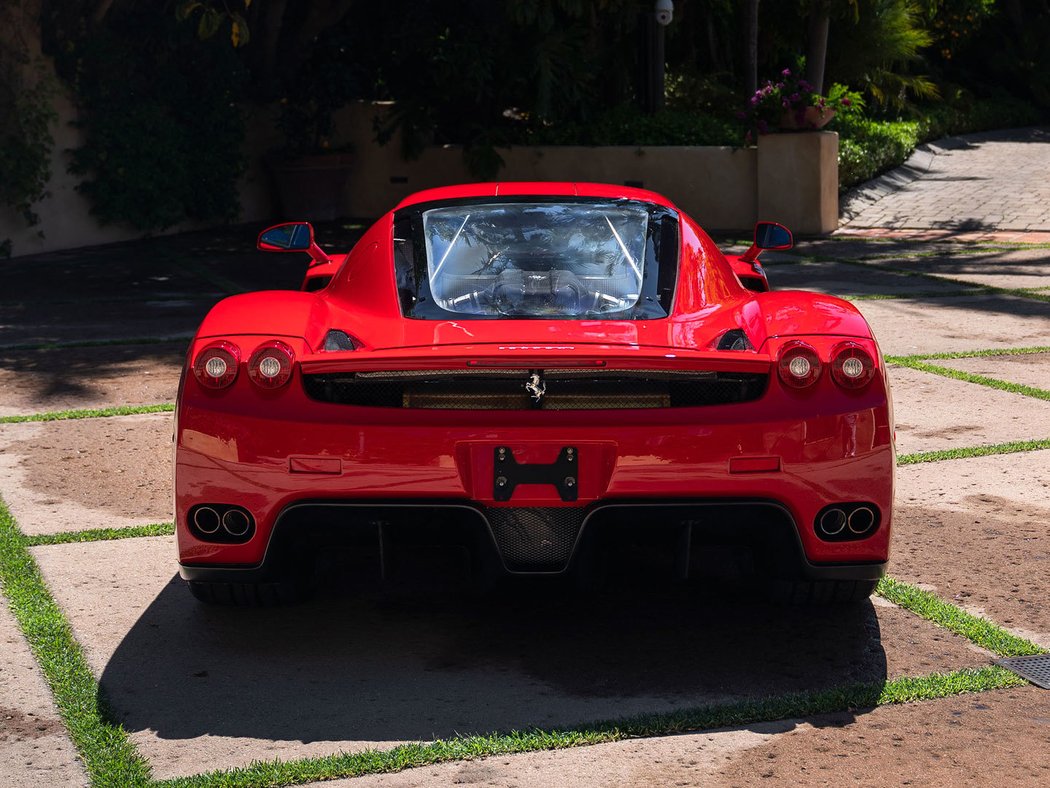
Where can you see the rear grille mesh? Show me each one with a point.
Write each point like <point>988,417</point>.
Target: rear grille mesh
<point>564,389</point>
<point>536,539</point>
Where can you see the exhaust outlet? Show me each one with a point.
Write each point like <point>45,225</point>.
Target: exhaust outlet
<point>206,519</point>
<point>236,523</point>
<point>832,522</point>
<point>861,520</point>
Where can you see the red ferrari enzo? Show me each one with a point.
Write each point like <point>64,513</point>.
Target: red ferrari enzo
<point>549,378</point>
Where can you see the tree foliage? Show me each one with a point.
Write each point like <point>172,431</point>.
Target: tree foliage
<point>158,107</point>
<point>26,114</point>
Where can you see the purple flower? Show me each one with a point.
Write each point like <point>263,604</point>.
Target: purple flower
<point>786,72</point>
<point>805,85</point>
<point>785,103</point>
<point>795,96</point>
<point>767,90</point>
<point>846,102</point>
<point>780,86</point>
<point>754,100</point>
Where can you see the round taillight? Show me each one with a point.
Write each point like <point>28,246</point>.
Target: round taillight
<point>798,365</point>
<point>216,366</point>
<point>851,366</point>
<point>271,365</point>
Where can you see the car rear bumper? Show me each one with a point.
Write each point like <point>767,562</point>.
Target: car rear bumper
<point>321,454</point>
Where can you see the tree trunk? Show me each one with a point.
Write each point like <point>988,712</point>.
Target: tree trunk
<point>751,49</point>
<point>819,21</point>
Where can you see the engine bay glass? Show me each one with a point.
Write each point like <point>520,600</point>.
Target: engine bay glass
<point>536,259</point>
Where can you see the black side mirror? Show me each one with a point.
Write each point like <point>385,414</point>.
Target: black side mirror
<point>291,237</point>
<point>771,235</point>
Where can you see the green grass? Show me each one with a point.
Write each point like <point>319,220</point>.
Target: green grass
<point>969,377</point>
<point>101,534</point>
<point>806,704</point>
<point>90,413</point>
<point>108,755</point>
<point>973,451</point>
<point>978,631</point>
<point>1015,351</point>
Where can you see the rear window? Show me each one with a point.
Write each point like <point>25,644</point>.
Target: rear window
<point>536,259</point>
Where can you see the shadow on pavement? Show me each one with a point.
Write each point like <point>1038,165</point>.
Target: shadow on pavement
<point>423,665</point>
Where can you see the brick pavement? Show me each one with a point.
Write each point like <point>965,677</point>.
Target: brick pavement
<point>983,186</point>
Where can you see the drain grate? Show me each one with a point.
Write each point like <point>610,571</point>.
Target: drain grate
<point>1036,668</point>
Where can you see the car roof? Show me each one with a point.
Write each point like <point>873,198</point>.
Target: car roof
<point>535,189</point>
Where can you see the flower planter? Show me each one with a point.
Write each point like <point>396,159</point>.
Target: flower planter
<point>808,119</point>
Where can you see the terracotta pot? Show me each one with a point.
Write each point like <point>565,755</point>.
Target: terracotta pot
<point>312,187</point>
<point>810,119</point>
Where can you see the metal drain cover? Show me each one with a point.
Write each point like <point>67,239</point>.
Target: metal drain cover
<point>1036,668</point>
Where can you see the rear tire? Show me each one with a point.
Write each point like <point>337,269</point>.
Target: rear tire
<point>249,594</point>
<point>821,593</point>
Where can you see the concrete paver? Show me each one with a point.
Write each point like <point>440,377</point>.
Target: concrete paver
<point>1000,737</point>
<point>975,532</point>
<point>32,381</point>
<point>1021,268</point>
<point>34,747</point>
<point>846,279</point>
<point>462,665</point>
<point>43,465</point>
<point>1031,369</point>
<point>945,325</point>
<point>101,321</point>
<point>934,413</point>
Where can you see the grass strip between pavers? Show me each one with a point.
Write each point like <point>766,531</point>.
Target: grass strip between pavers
<point>969,377</point>
<point>1010,351</point>
<point>90,413</point>
<point>806,704</point>
<point>972,451</point>
<point>101,534</point>
<point>977,630</point>
<point>105,749</point>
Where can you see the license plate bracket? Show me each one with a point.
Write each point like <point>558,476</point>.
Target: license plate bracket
<point>508,473</point>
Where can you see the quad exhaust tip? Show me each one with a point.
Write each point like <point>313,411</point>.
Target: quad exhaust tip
<point>219,523</point>
<point>832,522</point>
<point>860,520</point>
<point>846,521</point>
<point>236,523</point>
<point>206,519</point>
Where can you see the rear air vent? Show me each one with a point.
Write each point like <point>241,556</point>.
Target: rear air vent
<point>522,389</point>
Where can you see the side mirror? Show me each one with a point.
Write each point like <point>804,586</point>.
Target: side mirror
<point>768,235</point>
<point>771,235</point>
<point>291,237</point>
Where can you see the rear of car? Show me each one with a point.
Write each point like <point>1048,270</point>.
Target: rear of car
<point>550,383</point>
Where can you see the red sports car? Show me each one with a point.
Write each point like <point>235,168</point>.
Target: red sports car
<point>549,378</point>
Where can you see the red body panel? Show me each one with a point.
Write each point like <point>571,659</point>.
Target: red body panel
<point>264,450</point>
